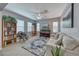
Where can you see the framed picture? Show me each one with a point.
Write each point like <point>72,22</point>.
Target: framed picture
<point>68,20</point>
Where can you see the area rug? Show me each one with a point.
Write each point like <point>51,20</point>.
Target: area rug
<point>37,47</point>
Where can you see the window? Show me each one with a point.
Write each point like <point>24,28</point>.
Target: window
<point>38,27</point>
<point>55,26</point>
<point>20,25</point>
<point>29,29</point>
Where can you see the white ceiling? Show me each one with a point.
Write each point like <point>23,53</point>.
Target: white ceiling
<point>31,10</point>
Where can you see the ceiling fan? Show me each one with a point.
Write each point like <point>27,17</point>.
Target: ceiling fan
<point>40,15</point>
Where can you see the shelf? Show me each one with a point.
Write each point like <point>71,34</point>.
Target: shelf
<point>8,30</point>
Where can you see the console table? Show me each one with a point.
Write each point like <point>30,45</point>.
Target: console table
<point>45,34</point>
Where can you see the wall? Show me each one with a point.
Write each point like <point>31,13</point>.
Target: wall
<point>50,22</point>
<point>74,32</point>
<point>0,30</point>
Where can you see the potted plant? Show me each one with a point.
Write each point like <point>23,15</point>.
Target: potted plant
<point>57,51</point>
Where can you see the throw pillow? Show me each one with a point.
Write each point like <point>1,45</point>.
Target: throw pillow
<point>59,41</point>
<point>56,36</point>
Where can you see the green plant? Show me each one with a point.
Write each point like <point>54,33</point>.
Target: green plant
<point>5,18</point>
<point>8,19</point>
<point>57,51</point>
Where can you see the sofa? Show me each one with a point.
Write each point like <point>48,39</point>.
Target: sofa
<point>70,45</point>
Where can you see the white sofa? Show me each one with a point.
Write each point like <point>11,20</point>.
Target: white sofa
<point>70,45</point>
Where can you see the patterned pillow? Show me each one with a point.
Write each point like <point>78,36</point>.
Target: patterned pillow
<point>59,41</point>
